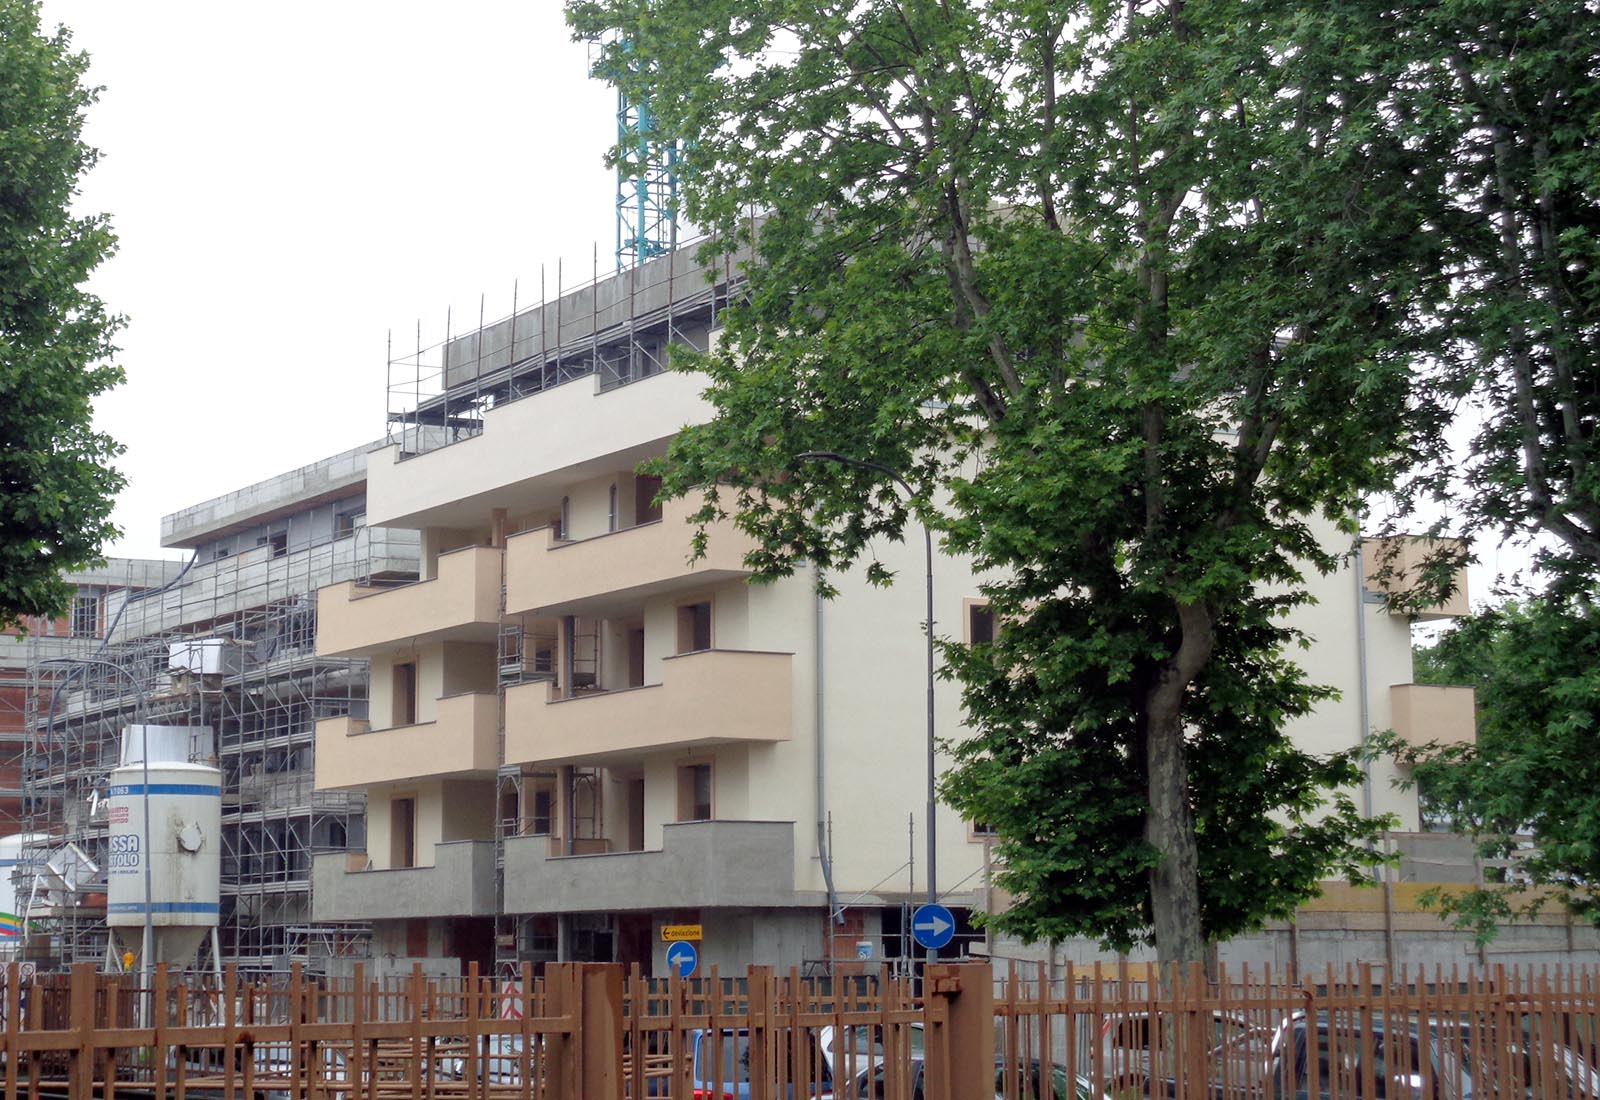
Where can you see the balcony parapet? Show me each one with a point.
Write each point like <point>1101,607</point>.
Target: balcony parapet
<point>710,864</point>
<point>1393,567</point>
<point>460,603</point>
<point>459,884</point>
<point>550,576</point>
<point>711,697</point>
<point>1423,713</point>
<point>462,742</point>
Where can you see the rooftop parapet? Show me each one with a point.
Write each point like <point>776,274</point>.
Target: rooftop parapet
<point>616,327</point>
<point>321,481</point>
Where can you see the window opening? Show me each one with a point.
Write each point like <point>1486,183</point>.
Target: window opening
<point>694,627</point>
<point>980,624</point>
<point>405,694</point>
<point>694,792</point>
<point>403,832</point>
<point>645,507</point>
<point>86,616</point>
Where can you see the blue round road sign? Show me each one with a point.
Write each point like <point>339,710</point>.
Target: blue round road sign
<point>933,926</point>
<point>682,958</point>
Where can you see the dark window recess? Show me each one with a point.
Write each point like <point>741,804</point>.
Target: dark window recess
<point>405,694</point>
<point>645,508</point>
<point>694,792</point>
<point>980,624</point>
<point>403,832</point>
<point>542,812</point>
<point>694,627</point>
<point>636,658</point>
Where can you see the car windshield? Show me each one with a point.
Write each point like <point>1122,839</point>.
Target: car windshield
<point>1061,1086</point>
<point>735,1066</point>
<point>868,1040</point>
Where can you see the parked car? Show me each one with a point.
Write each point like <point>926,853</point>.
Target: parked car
<point>1543,1060</point>
<point>1240,1049</point>
<point>712,1078</point>
<point>859,1050</point>
<point>499,1064</point>
<point>1063,1086</point>
<point>1367,1059</point>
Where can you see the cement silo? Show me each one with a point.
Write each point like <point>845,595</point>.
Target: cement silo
<point>177,867</point>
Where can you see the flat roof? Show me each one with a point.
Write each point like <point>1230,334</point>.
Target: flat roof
<point>287,493</point>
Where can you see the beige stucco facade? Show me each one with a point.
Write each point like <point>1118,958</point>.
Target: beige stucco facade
<point>629,698</point>
<point>461,740</point>
<point>460,599</point>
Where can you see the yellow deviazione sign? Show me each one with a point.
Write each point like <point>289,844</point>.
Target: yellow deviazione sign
<point>672,933</point>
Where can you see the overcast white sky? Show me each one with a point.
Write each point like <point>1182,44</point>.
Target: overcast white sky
<point>289,182</point>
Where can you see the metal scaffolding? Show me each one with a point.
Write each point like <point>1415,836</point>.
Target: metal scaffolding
<point>618,327</point>
<point>260,689</point>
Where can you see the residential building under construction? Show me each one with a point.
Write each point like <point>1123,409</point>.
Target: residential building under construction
<point>584,743</point>
<point>223,643</point>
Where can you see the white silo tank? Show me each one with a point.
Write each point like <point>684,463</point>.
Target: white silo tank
<point>184,854</point>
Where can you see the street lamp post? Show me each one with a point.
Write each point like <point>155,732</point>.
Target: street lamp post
<point>927,540</point>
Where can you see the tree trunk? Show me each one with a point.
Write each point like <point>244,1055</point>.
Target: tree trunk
<point>1169,829</point>
<point>1169,818</point>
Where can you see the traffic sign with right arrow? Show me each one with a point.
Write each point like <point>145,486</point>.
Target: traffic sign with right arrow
<point>933,926</point>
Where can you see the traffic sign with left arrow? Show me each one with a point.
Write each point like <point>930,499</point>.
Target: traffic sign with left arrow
<point>682,958</point>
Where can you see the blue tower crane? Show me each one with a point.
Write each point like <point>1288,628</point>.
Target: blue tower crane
<point>647,184</point>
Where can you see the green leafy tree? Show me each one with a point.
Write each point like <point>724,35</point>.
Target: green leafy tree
<point>1513,91</point>
<point>1536,667</point>
<point>1125,292</point>
<point>56,484</point>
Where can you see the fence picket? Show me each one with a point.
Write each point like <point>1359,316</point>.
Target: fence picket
<point>1244,1033</point>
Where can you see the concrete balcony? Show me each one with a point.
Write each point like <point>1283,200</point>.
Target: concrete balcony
<point>713,697</point>
<point>548,576</point>
<point>1421,713</point>
<point>461,603</point>
<point>459,884</point>
<point>706,864</point>
<point>1402,558</point>
<point>462,742</point>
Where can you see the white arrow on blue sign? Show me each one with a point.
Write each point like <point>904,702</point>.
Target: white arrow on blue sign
<point>933,926</point>
<point>682,958</point>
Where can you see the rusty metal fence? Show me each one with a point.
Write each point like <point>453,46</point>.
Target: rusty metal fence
<point>969,1032</point>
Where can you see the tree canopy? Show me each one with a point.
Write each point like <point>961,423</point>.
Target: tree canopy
<point>1513,90</point>
<point>1128,294</point>
<point>1533,769</point>
<point>56,484</point>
